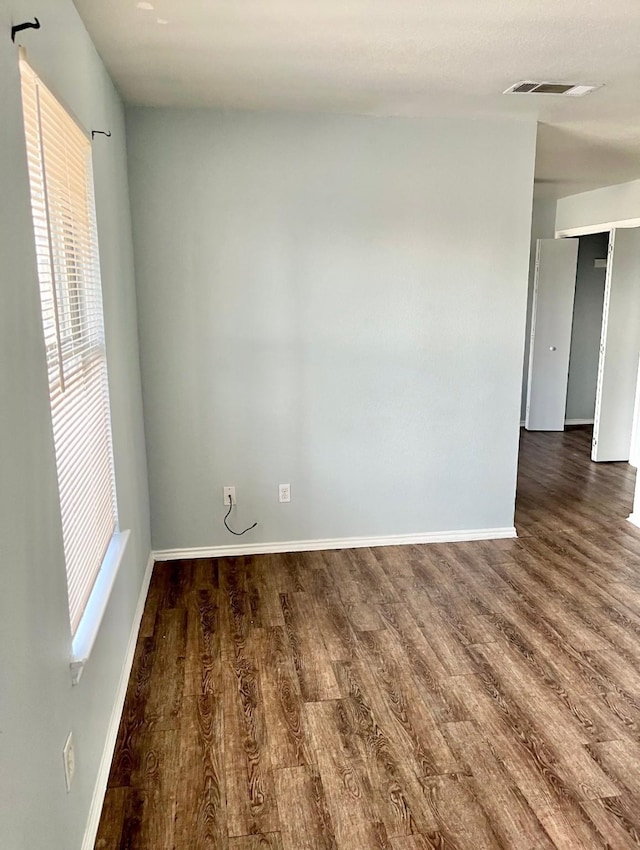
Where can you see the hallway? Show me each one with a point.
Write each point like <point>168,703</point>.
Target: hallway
<point>468,696</point>
<point>560,488</point>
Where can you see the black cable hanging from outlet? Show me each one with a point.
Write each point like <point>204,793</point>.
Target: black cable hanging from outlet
<point>237,533</point>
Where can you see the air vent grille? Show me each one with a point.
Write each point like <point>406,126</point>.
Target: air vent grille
<point>523,88</point>
<point>564,89</point>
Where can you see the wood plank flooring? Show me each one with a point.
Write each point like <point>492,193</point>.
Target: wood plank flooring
<point>457,696</point>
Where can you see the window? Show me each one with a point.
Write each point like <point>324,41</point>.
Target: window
<point>62,202</point>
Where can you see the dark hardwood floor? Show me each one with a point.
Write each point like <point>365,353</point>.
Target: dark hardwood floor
<point>460,696</point>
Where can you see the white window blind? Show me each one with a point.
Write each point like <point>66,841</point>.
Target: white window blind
<point>60,173</point>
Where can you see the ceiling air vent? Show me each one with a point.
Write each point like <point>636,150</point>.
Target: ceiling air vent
<point>565,89</point>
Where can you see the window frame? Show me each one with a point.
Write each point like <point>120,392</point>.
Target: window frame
<point>67,260</point>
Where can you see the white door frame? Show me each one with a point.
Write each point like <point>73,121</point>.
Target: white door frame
<point>634,455</point>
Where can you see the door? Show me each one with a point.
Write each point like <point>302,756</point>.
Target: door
<point>551,320</point>
<point>619,349</point>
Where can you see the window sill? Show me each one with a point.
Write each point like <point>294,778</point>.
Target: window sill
<point>87,631</point>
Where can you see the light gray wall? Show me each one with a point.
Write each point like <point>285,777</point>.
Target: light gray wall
<point>542,227</point>
<point>599,207</point>
<point>38,705</point>
<point>586,328</point>
<point>334,302</point>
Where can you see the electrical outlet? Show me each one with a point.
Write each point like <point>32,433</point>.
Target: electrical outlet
<point>229,491</point>
<point>284,492</point>
<point>69,759</point>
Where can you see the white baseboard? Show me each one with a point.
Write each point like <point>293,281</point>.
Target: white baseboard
<point>100,788</point>
<point>634,519</point>
<point>339,543</point>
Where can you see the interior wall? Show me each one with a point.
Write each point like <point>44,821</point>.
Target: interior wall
<point>599,208</point>
<point>542,227</point>
<point>38,705</point>
<point>333,302</point>
<point>586,328</point>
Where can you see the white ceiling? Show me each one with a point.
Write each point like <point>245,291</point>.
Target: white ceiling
<point>395,57</point>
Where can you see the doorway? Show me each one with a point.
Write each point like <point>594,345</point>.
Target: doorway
<point>585,338</point>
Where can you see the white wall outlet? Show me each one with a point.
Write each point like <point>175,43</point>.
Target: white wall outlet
<point>229,491</point>
<point>69,759</point>
<point>284,492</point>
